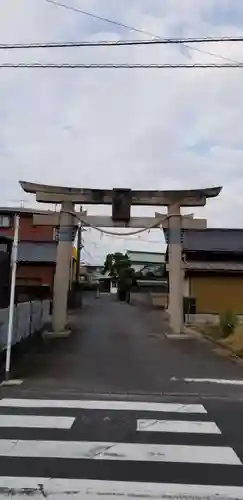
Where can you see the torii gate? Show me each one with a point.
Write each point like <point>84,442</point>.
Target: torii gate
<point>67,219</point>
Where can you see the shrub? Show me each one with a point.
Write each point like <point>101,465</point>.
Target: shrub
<point>228,323</point>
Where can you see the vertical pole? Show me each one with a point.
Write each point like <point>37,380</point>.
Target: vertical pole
<point>175,274</point>
<point>71,270</point>
<point>62,274</point>
<point>12,295</point>
<point>79,245</point>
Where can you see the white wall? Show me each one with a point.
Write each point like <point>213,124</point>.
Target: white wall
<point>146,257</point>
<point>28,319</point>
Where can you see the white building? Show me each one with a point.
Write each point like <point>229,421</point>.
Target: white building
<point>147,261</point>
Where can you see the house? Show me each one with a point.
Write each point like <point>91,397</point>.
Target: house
<point>92,276</point>
<point>36,249</point>
<point>91,273</point>
<point>150,264</point>
<point>36,261</point>
<point>213,263</point>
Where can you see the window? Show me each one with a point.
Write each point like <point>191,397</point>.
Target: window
<point>4,221</point>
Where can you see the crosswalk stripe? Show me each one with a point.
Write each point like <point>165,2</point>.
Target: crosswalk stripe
<point>180,426</point>
<point>36,421</point>
<point>221,381</point>
<point>19,487</point>
<point>189,445</point>
<point>119,451</point>
<point>103,405</point>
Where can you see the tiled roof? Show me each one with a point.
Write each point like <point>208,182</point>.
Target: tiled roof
<point>24,210</point>
<point>217,240</point>
<point>211,240</point>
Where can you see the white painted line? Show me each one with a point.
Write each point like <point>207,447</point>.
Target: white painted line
<point>119,451</point>
<point>12,382</point>
<point>103,405</point>
<point>65,489</point>
<point>208,381</point>
<point>177,426</point>
<point>34,421</point>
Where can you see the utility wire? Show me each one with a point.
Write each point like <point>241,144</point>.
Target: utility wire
<point>119,66</point>
<point>100,18</point>
<point>130,28</point>
<point>87,253</point>
<point>117,43</point>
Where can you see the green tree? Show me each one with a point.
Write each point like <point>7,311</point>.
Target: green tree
<point>118,265</point>
<point>115,263</point>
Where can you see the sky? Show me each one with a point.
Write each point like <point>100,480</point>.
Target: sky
<point>140,129</point>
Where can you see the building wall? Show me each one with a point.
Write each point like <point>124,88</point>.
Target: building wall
<point>30,273</point>
<point>217,293</point>
<point>34,274</point>
<point>186,287</point>
<point>27,231</point>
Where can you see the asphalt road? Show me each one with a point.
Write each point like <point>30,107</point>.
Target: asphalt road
<point>108,413</point>
<point>121,349</point>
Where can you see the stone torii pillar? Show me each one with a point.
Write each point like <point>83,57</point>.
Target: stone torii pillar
<point>175,269</point>
<point>63,262</point>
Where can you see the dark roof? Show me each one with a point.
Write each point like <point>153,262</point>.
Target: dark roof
<point>37,252</point>
<point>23,210</point>
<point>214,266</point>
<point>213,240</point>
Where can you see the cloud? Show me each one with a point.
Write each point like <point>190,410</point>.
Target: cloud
<point>133,128</point>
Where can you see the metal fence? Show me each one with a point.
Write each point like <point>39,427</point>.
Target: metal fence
<point>29,318</point>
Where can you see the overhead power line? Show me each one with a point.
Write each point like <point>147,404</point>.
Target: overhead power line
<point>57,3</point>
<point>118,66</point>
<point>100,18</point>
<point>116,43</point>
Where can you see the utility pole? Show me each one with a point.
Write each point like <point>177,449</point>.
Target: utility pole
<point>12,295</point>
<point>79,247</point>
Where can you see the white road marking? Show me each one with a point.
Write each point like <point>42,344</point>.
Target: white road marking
<point>103,405</point>
<point>208,381</point>
<point>65,489</point>
<point>12,382</point>
<point>119,451</point>
<point>36,421</point>
<point>192,427</point>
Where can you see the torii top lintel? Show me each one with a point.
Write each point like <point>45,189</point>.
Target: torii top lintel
<point>58,194</point>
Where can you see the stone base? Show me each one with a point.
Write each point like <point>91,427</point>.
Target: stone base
<point>186,334</point>
<point>178,336</point>
<point>56,335</point>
